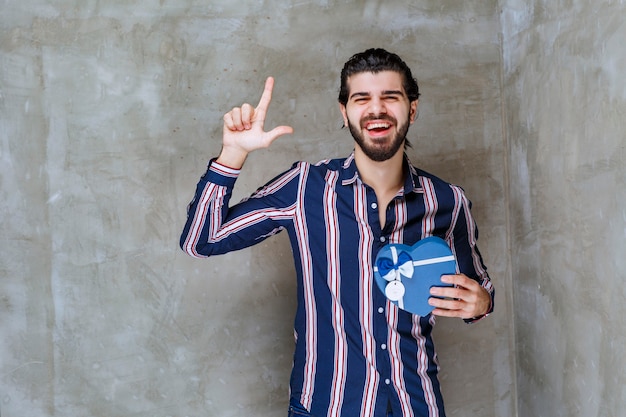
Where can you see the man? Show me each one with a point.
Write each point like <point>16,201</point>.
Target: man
<point>356,353</point>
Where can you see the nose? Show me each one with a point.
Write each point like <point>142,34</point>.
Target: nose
<point>377,106</point>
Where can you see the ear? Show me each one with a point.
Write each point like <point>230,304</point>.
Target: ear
<point>413,111</point>
<point>344,113</point>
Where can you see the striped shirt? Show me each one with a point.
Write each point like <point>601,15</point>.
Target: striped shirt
<point>355,352</point>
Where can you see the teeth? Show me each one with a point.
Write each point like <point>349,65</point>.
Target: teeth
<point>378,126</point>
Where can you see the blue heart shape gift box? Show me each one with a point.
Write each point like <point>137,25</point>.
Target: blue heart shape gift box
<point>405,274</point>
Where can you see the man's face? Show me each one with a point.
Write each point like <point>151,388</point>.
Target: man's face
<point>378,113</point>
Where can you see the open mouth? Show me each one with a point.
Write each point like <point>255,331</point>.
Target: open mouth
<point>378,127</point>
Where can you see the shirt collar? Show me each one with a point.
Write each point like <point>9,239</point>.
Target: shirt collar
<point>350,175</point>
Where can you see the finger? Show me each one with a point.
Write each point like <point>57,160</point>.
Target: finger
<point>450,292</point>
<point>449,308</point>
<point>449,305</point>
<point>277,132</point>
<point>247,113</point>
<point>235,114</point>
<point>460,280</point>
<point>266,97</point>
<point>448,313</point>
<point>228,122</point>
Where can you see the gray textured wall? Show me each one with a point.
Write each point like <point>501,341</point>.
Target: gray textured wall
<point>565,106</point>
<point>110,110</point>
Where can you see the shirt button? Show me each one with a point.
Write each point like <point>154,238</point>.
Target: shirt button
<point>387,381</point>
<point>383,238</point>
<point>381,310</point>
<point>383,346</point>
<point>374,206</point>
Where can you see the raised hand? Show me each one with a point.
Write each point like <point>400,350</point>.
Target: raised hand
<point>244,130</point>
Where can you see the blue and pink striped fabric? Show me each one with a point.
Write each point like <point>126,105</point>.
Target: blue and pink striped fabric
<point>355,351</point>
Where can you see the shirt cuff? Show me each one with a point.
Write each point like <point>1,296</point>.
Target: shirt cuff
<point>221,174</point>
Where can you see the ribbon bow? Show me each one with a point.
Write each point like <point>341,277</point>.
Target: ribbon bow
<point>392,269</point>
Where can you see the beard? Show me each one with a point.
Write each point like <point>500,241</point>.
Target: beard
<point>375,152</point>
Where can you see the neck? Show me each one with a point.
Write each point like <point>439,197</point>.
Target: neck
<point>384,177</point>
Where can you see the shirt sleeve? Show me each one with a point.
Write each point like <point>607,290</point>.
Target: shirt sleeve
<point>468,256</point>
<point>214,228</point>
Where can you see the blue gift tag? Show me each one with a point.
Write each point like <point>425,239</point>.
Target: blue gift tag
<point>405,274</point>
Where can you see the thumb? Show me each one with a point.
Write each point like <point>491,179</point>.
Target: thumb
<point>279,131</point>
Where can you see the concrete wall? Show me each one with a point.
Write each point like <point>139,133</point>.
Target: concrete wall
<point>565,106</point>
<point>108,114</point>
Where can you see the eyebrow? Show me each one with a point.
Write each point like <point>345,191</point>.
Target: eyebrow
<point>384,93</point>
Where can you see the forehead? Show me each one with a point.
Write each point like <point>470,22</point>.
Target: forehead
<point>372,83</point>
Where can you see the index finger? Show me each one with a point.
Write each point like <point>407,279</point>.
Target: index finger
<point>458,279</point>
<point>266,97</point>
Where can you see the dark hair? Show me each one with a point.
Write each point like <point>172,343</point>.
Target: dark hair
<point>376,60</point>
